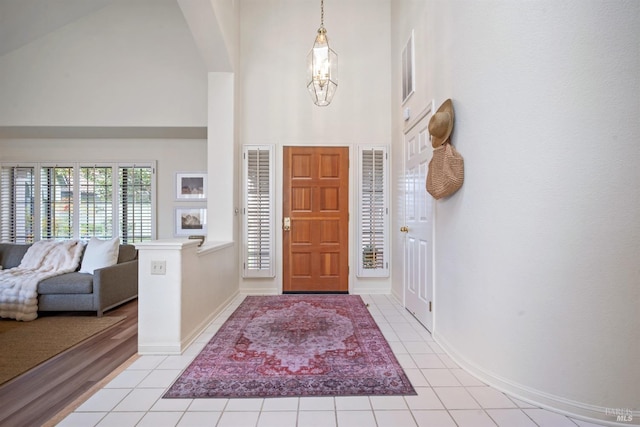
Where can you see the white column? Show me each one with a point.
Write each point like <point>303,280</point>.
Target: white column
<point>220,152</point>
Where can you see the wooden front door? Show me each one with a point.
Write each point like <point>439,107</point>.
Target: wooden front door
<point>315,219</point>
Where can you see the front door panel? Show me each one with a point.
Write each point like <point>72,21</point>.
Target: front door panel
<point>316,199</point>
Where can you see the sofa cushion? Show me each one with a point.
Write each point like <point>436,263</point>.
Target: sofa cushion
<point>69,283</point>
<point>127,253</point>
<point>99,254</point>
<point>11,254</point>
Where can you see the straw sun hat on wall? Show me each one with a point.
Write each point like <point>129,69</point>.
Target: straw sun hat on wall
<point>441,124</point>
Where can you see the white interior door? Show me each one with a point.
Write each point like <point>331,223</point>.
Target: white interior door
<point>418,228</point>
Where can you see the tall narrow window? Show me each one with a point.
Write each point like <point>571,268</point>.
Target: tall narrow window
<point>56,195</point>
<point>17,204</point>
<point>373,213</point>
<point>259,223</point>
<point>136,203</point>
<point>96,202</point>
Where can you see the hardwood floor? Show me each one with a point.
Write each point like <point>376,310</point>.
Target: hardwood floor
<point>38,395</point>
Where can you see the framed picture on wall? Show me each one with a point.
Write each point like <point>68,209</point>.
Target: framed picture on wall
<point>191,221</point>
<point>191,186</point>
<point>408,71</point>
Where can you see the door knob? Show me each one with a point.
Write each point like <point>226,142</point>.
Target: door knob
<point>286,223</point>
<point>404,229</point>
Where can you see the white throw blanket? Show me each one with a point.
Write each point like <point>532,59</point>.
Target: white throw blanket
<point>44,259</point>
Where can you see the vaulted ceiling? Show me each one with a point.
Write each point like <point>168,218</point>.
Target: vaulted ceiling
<point>23,21</point>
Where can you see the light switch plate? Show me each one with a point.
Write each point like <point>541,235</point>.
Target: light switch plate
<point>159,267</point>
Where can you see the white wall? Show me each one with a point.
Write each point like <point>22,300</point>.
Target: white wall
<point>131,63</point>
<point>275,106</point>
<point>171,156</point>
<point>537,273</point>
<point>221,161</point>
<point>174,308</point>
<point>276,36</point>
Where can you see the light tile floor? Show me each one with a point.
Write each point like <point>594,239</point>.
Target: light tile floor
<point>447,395</point>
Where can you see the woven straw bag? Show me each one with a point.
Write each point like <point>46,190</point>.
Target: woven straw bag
<point>446,171</point>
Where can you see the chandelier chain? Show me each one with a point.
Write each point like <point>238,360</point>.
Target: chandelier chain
<point>322,13</point>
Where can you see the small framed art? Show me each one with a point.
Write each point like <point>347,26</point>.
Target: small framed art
<point>191,221</point>
<point>191,186</point>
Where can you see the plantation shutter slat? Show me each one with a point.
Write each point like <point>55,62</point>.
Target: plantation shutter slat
<point>373,213</point>
<point>259,222</point>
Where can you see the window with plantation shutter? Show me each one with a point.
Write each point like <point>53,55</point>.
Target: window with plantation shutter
<point>373,213</point>
<point>259,223</point>
<point>96,202</point>
<point>56,202</point>
<point>17,204</point>
<point>77,201</point>
<point>136,204</point>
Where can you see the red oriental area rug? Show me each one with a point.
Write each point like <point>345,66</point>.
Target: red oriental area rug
<point>295,345</point>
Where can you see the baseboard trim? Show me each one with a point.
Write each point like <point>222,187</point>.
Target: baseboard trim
<point>538,398</point>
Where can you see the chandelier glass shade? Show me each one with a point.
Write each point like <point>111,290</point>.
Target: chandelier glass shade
<point>322,64</point>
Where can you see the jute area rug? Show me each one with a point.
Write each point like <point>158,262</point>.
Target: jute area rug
<point>295,345</point>
<point>27,344</point>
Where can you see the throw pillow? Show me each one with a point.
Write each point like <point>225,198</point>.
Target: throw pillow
<point>99,254</point>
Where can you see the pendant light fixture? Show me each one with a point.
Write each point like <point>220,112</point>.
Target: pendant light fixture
<point>322,63</point>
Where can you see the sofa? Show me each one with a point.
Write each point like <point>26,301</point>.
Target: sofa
<point>106,288</point>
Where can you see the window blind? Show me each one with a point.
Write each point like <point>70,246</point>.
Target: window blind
<point>56,195</point>
<point>41,201</point>
<point>373,213</point>
<point>17,209</point>
<point>136,203</point>
<point>96,202</point>
<point>259,211</point>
